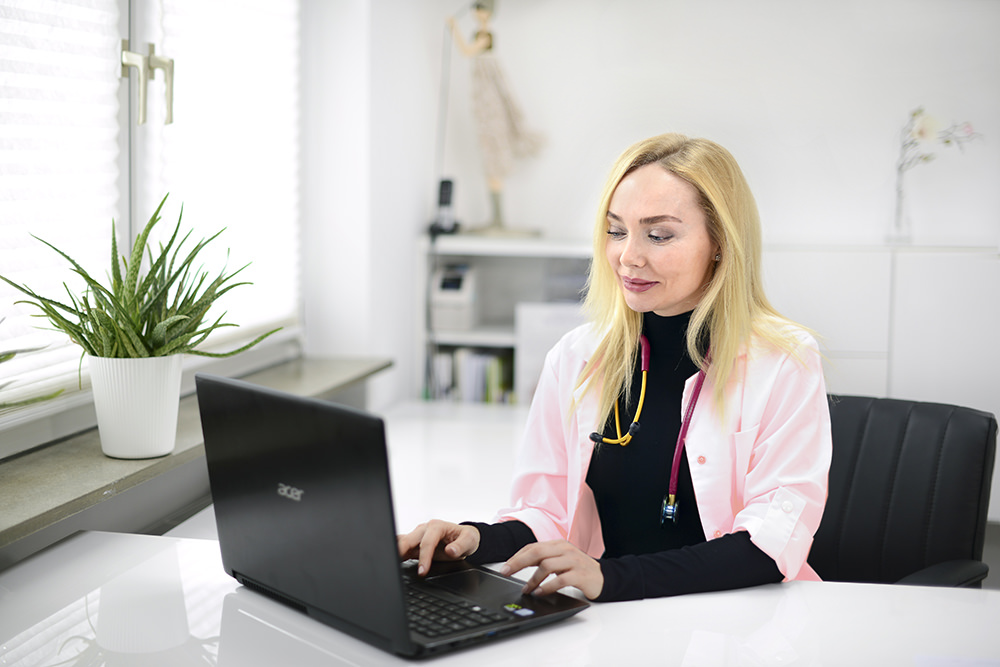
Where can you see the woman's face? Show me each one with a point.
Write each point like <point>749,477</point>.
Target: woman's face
<point>658,242</point>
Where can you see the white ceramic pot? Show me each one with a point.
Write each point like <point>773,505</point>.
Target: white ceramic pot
<point>136,402</point>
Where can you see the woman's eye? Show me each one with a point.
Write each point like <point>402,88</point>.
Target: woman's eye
<point>615,234</point>
<point>660,238</point>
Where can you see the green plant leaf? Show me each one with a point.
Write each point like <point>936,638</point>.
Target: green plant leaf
<point>30,401</point>
<point>138,249</point>
<point>160,331</point>
<point>153,313</point>
<point>244,348</point>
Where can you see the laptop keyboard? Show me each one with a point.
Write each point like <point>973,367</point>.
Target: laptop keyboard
<point>433,616</point>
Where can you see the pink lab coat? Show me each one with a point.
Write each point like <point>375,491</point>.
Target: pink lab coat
<point>762,467</point>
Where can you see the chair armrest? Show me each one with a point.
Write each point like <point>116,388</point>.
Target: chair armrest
<point>954,573</point>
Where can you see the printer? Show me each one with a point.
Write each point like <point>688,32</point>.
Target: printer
<point>453,298</point>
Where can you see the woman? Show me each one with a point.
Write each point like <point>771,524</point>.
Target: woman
<point>614,513</point>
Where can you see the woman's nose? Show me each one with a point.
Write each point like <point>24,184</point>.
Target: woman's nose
<point>632,253</point>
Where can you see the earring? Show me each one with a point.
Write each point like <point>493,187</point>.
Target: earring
<point>718,256</point>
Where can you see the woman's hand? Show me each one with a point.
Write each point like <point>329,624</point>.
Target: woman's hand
<point>569,565</point>
<point>437,540</point>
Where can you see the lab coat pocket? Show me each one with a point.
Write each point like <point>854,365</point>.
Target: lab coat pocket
<point>743,442</point>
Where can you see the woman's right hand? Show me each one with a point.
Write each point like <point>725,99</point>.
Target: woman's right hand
<point>437,540</point>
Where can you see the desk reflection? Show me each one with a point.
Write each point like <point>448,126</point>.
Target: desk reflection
<point>258,631</point>
<point>122,602</point>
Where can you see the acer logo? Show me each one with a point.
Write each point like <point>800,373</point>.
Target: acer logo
<point>290,492</point>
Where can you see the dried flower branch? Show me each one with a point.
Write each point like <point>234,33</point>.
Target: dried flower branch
<point>916,140</point>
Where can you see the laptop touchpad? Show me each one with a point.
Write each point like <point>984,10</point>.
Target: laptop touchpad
<point>478,584</point>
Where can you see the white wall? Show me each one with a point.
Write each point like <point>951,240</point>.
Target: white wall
<point>810,96</point>
<point>336,208</point>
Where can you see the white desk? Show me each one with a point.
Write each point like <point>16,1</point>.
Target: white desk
<point>140,600</point>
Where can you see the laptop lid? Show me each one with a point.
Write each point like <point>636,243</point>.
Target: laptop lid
<point>304,512</point>
<point>303,506</point>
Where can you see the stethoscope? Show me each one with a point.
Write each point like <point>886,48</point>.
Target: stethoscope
<point>668,509</point>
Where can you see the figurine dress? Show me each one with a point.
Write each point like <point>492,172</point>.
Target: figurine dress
<point>502,133</point>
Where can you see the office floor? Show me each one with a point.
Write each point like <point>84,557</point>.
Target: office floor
<point>991,555</point>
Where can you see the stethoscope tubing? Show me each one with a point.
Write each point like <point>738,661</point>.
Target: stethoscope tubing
<point>670,501</point>
<point>682,436</point>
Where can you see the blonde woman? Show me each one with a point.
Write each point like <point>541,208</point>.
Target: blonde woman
<point>723,481</point>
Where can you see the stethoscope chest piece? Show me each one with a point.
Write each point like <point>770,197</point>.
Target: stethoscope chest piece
<point>668,511</point>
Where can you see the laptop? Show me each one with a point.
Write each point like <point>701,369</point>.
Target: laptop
<point>305,516</point>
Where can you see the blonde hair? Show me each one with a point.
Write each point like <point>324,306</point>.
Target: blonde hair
<point>733,305</point>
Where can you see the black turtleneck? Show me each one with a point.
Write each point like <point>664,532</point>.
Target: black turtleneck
<point>629,482</point>
<point>643,558</point>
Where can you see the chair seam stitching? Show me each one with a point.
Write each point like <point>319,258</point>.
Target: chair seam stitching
<point>862,429</point>
<point>894,477</point>
<point>935,485</point>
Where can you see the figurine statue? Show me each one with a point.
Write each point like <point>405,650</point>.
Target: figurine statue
<point>500,124</point>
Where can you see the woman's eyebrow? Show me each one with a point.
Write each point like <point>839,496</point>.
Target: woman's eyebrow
<point>651,220</point>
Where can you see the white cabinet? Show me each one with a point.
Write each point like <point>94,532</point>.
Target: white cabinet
<point>943,343</point>
<point>538,277</point>
<point>843,294</point>
<point>908,322</point>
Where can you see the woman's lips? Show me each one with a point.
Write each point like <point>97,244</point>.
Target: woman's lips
<point>636,285</point>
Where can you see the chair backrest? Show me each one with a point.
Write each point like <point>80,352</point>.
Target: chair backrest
<point>909,488</point>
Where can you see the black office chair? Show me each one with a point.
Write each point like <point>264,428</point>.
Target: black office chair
<point>909,492</point>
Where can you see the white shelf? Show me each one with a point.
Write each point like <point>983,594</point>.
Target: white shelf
<point>509,271</point>
<point>489,246</point>
<point>485,336</point>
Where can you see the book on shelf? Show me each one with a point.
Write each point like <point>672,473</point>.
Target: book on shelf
<point>471,375</point>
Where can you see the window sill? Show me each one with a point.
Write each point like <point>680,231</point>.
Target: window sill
<point>46,489</point>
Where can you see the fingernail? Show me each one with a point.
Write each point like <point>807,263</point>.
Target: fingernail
<point>505,569</point>
<point>421,569</point>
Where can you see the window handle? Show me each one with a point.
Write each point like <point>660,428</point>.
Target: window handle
<point>141,65</point>
<point>167,65</point>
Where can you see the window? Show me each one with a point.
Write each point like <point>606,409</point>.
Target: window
<point>73,159</point>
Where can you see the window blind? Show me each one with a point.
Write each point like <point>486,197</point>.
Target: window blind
<point>231,154</point>
<point>230,157</point>
<point>59,152</point>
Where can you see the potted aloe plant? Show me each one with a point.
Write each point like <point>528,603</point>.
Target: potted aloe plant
<point>134,331</point>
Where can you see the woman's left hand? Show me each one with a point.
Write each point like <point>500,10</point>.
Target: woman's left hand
<point>568,565</point>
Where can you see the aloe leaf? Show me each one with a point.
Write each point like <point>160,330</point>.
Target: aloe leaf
<point>124,337</point>
<point>135,260</point>
<point>116,273</point>
<point>29,401</point>
<point>79,269</point>
<point>160,331</point>
<point>244,348</point>
<point>38,298</point>
<point>157,264</point>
